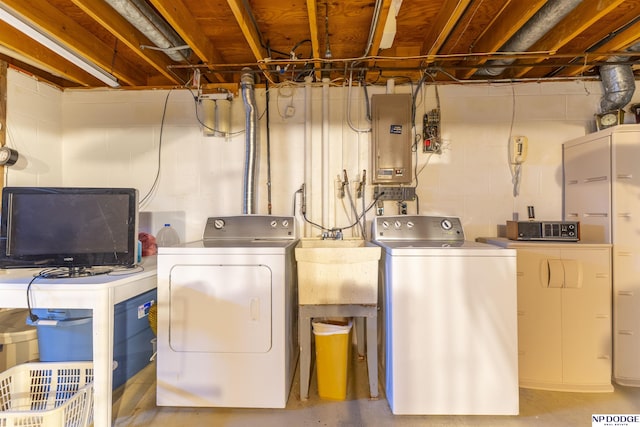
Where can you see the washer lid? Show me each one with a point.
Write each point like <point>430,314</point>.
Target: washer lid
<point>441,248</point>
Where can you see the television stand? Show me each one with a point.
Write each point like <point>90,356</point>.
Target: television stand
<point>71,272</point>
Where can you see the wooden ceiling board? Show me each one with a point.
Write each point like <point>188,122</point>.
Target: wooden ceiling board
<point>586,14</point>
<point>471,26</point>
<point>226,35</point>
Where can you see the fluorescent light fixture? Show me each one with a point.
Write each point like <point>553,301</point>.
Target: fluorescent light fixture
<point>28,30</point>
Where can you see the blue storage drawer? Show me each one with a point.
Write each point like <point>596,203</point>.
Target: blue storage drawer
<point>70,337</point>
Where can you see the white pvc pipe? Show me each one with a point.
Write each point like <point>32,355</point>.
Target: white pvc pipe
<point>391,86</point>
<point>326,180</point>
<point>308,165</point>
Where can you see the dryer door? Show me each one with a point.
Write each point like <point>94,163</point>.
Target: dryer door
<point>220,308</point>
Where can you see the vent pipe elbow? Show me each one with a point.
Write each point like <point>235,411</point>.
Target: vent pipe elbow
<point>247,87</point>
<point>618,84</point>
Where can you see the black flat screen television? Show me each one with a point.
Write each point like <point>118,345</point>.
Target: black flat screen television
<point>70,227</point>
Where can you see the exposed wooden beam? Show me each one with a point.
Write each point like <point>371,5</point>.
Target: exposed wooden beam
<point>248,30</point>
<point>443,25</point>
<point>312,12</point>
<point>3,102</point>
<point>502,28</point>
<point>38,73</point>
<point>42,57</point>
<point>621,42</point>
<point>586,14</point>
<point>77,39</point>
<point>185,24</point>
<point>378,32</point>
<point>107,16</point>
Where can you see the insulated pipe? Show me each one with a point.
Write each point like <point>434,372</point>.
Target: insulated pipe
<point>148,22</point>
<point>325,152</point>
<point>251,120</point>
<point>532,31</point>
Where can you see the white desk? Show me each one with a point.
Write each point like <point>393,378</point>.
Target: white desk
<point>99,293</point>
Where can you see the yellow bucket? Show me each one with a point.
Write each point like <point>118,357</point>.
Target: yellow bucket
<point>333,345</point>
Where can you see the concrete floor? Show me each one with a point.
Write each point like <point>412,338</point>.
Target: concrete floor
<point>134,405</point>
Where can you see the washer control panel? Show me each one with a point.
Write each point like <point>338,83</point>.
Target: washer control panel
<point>417,227</point>
<point>250,227</point>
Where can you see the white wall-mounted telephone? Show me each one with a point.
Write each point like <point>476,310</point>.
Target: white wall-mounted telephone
<point>520,145</point>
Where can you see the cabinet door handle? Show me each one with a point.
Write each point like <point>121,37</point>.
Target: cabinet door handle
<point>597,178</point>
<point>625,293</point>
<point>625,176</point>
<point>625,332</point>
<point>556,273</point>
<point>602,316</point>
<point>596,215</point>
<point>604,356</point>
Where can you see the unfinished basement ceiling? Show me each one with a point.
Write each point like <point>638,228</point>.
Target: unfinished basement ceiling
<point>284,40</point>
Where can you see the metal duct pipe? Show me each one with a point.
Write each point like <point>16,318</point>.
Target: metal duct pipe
<point>539,24</point>
<point>618,82</point>
<point>247,86</point>
<point>148,22</point>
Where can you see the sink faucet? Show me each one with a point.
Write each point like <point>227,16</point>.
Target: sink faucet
<point>332,235</point>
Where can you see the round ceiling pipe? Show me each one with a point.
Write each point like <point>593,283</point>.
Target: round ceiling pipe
<point>148,22</point>
<point>540,23</point>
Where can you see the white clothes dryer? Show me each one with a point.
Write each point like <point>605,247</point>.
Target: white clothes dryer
<point>227,306</point>
<point>449,319</point>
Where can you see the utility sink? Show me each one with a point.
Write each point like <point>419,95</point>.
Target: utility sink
<point>337,271</point>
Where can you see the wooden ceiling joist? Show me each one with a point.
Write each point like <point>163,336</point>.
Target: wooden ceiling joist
<point>184,23</point>
<point>107,16</point>
<point>77,39</point>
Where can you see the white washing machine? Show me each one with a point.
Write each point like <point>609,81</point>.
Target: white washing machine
<point>449,328</point>
<point>227,305</point>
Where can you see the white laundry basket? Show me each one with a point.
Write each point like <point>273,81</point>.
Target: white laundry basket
<point>47,394</point>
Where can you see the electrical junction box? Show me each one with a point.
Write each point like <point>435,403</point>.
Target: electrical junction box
<point>391,138</point>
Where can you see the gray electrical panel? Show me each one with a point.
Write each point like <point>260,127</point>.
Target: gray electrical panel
<point>391,138</point>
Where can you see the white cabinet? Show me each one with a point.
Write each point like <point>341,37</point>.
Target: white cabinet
<point>602,191</point>
<point>564,315</point>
